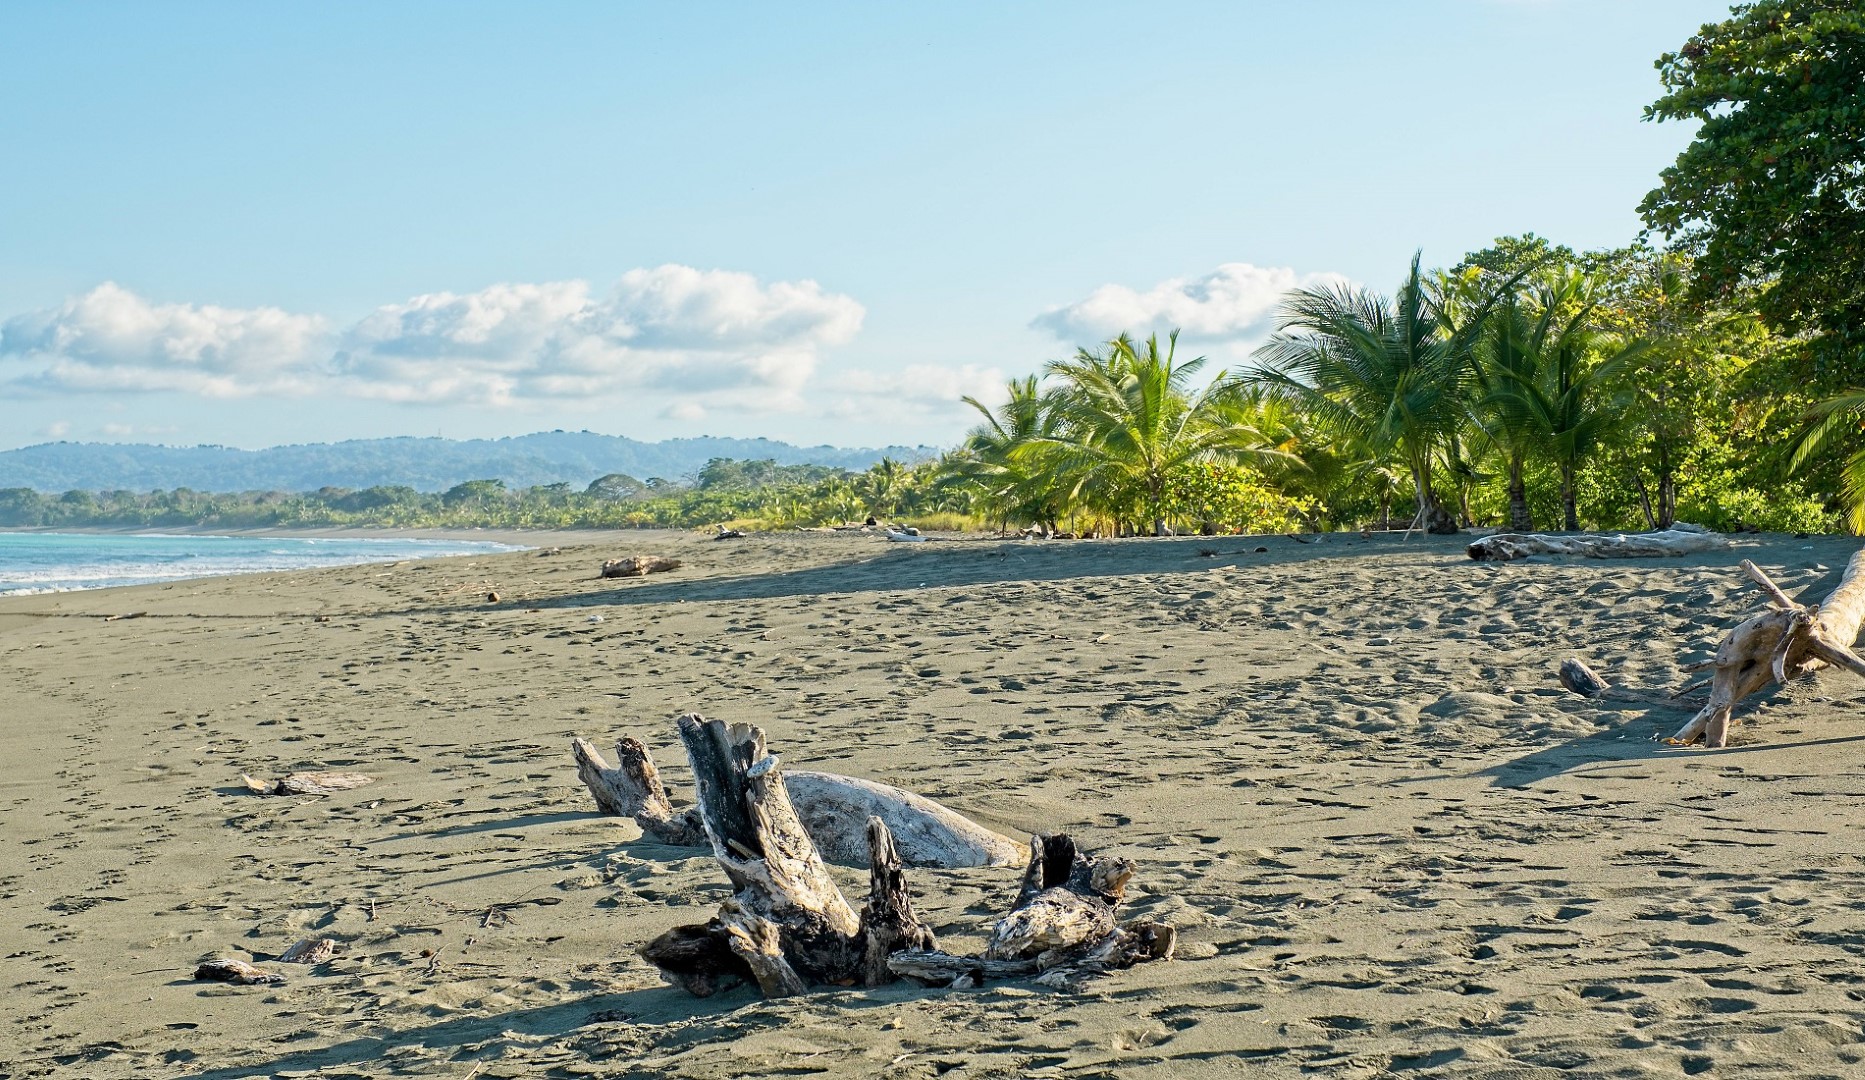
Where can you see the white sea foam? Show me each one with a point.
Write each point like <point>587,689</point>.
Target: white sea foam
<point>62,562</point>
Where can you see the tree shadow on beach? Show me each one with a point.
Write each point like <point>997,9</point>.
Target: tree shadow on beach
<point>974,563</point>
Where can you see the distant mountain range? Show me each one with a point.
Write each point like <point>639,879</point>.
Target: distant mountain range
<point>549,457</point>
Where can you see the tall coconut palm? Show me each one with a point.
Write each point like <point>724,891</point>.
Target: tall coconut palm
<point>1128,415</point>
<point>1393,372</point>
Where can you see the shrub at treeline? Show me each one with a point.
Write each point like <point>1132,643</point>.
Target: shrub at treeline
<point>1526,386</point>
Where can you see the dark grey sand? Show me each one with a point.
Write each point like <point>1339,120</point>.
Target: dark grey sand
<point>1345,769</point>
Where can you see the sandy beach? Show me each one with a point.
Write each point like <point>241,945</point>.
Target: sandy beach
<point>1392,844</point>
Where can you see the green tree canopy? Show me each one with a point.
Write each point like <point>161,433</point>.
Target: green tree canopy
<point>1773,187</point>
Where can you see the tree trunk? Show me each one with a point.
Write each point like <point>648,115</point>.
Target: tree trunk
<point>1644,499</point>
<point>1570,512</point>
<point>1521,519</point>
<point>1431,513</point>
<point>1667,499</point>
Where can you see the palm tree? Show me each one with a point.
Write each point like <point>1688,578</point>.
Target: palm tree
<point>1003,458</point>
<point>1126,417</point>
<point>1545,385</point>
<point>1826,421</point>
<point>1394,373</point>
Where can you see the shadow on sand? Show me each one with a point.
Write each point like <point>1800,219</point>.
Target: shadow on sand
<point>659,1005</point>
<point>912,566</point>
<point>1637,740</point>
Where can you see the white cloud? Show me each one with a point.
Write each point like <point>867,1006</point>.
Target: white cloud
<point>672,328</point>
<point>1235,302</point>
<point>918,390</point>
<point>112,339</point>
<point>717,335</point>
<point>57,429</point>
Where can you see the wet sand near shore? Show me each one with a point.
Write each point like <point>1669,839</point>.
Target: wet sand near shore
<point>1393,845</point>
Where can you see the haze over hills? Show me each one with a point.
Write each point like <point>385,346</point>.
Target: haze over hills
<point>427,464</point>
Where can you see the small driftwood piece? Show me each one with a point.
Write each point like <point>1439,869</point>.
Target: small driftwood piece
<point>787,926</point>
<point>834,810</point>
<point>308,783</point>
<point>1787,640</point>
<point>237,972</point>
<point>1062,926</point>
<point>638,566</point>
<point>1679,539</point>
<point>1067,900</point>
<point>1581,679</point>
<point>310,952</point>
<point>632,787</point>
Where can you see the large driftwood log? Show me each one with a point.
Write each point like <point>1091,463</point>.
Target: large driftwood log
<point>834,810</point>
<point>1778,644</point>
<point>787,926</point>
<point>1680,539</point>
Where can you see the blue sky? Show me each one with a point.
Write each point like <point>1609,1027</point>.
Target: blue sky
<point>254,224</point>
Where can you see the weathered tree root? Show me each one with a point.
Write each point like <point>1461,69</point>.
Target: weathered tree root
<point>632,788</point>
<point>787,926</point>
<point>1776,645</point>
<point>834,810</point>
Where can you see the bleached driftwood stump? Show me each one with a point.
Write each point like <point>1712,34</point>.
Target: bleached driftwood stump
<point>787,926</point>
<point>1776,645</point>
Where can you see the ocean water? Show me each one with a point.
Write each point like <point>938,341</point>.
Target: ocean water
<point>55,562</point>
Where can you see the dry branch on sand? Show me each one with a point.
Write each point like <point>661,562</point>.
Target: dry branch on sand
<point>787,927</point>
<point>834,811</point>
<point>638,566</point>
<point>1787,640</point>
<point>1679,539</point>
<point>307,783</point>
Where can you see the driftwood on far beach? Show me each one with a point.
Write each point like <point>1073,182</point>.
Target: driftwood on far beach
<point>787,926</point>
<point>1680,539</point>
<point>1787,640</point>
<point>834,810</point>
<point>307,783</point>
<point>237,972</point>
<point>638,566</point>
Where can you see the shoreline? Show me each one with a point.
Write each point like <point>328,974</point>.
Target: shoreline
<point>516,537</point>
